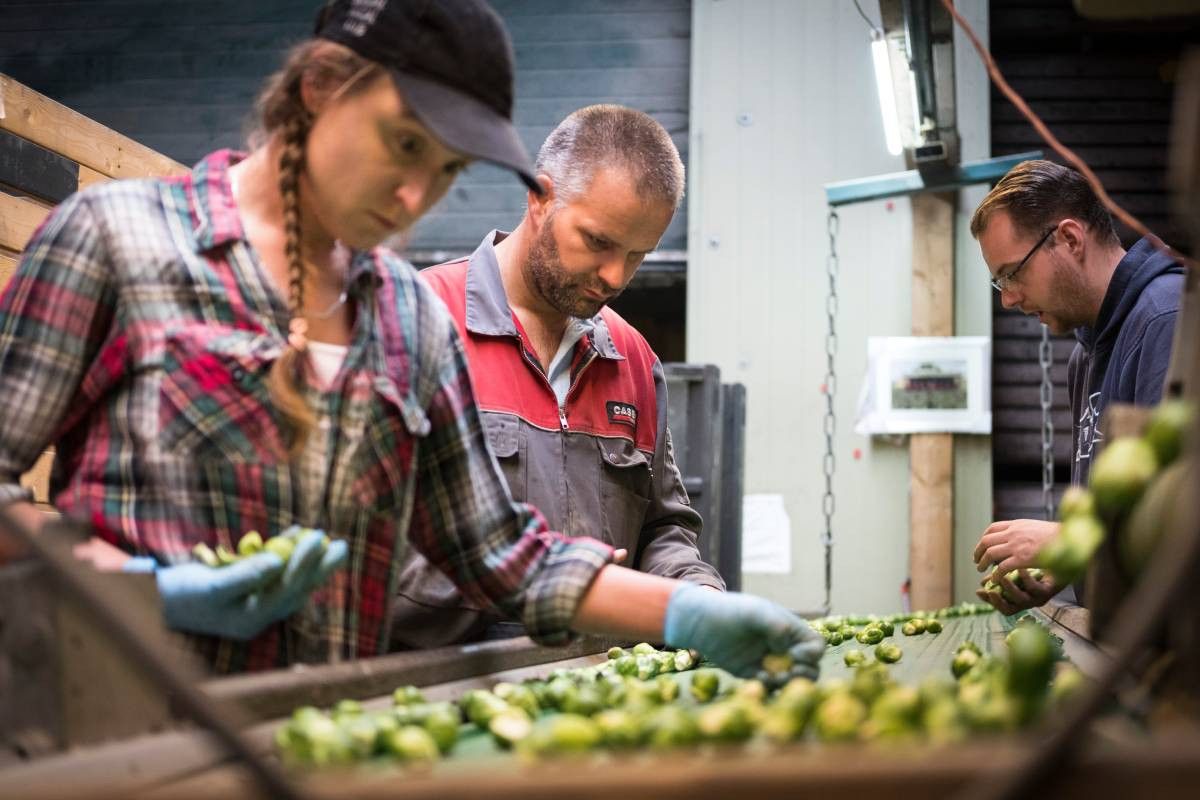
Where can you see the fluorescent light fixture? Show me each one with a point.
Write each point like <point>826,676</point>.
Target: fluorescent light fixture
<point>887,96</point>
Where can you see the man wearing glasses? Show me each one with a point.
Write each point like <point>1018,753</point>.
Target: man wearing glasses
<point>1051,248</point>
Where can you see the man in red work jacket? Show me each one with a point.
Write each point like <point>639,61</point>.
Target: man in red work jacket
<point>573,398</point>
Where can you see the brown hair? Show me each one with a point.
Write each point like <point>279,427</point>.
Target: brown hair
<point>612,136</point>
<point>1037,194</point>
<point>280,111</point>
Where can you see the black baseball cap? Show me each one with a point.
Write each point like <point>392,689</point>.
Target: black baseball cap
<point>453,62</point>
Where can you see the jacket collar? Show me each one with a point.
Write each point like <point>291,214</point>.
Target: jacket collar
<point>488,311</point>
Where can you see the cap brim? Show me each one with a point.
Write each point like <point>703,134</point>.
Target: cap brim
<point>464,124</point>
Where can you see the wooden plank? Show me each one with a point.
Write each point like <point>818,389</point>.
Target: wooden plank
<point>88,176</point>
<point>56,127</point>
<point>8,265</point>
<point>931,479</point>
<point>38,478</point>
<point>19,218</point>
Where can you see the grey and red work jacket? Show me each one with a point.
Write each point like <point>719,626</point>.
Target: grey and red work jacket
<point>599,465</point>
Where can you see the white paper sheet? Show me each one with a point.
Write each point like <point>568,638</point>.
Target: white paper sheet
<point>766,534</point>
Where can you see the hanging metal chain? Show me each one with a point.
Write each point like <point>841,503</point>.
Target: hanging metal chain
<point>831,306</point>
<point>1046,360</point>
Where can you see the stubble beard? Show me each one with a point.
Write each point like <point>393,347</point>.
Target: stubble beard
<point>544,270</point>
<point>1070,291</point>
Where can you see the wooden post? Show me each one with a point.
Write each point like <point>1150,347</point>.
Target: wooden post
<point>931,455</point>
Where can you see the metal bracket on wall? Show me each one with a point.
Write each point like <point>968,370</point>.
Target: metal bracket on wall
<point>897,184</point>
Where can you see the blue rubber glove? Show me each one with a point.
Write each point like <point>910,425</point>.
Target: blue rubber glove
<point>240,600</point>
<point>735,631</point>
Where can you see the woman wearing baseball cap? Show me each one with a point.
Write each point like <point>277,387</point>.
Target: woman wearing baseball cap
<point>233,351</point>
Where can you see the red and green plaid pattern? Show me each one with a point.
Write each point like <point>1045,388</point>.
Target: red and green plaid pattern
<point>136,337</point>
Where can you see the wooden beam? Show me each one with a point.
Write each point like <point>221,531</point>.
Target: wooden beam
<point>88,176</point>
<point>19,218</point>
<point>931,455</point>
<point>69,133</point>
<point>8,265</point>
<point>38,478</point>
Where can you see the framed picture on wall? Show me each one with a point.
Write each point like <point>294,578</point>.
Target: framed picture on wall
<point>926,384</point>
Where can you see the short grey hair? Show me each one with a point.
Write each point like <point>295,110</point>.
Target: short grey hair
<point>611,136</point>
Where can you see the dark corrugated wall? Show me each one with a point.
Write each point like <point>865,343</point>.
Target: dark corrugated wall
<point>1105,90</point>
<point>181,77</point>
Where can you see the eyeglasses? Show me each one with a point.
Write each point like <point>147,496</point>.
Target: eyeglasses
<point>1002,282</point>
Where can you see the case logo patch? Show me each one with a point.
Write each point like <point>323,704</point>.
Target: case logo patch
<point>622,413</point>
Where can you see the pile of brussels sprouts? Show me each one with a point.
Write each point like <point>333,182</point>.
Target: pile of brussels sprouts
<point>633,702</point>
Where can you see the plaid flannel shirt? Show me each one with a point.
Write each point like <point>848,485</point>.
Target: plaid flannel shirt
<point>136,337</point>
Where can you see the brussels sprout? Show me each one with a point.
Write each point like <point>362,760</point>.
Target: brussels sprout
<point>1076,501</point>
<point>943,722</point>
<point>847,632</point>
<point>1067,684</point>
<point>835,639</point>
<point>1031,657</point>
<point>281,546</point>
<point>626,665</point>
<point>442,723</point>
<point>643,649</point>
<point>668,688</point>
<point>751,690</point>
<point>558,690</point>
<point>250,543</point>
<point>411,744</point>
<point>933,626</point>
<point>963,661</point>
<point>871,635</point>
<point>619,728</point>
<point>510,726</point>
<point>361,733</point>
<point>585,701</point>
<point>616,652</point>
<point>705,683</point>
<point>520,696</point>
<point>838,717</point>
<point>967,644</point>
<point>854,657</point>
<point>647,667</point>
<point>888,628</point>
<point>726,721</point>
<point>684,660</point>
<point>1169,424</point>
<point>780,724</point>
<point>1123,469</point>
<point>909,629</point>
<point>1066,556</point>
<point>481,706</point>
<point>888,653</point>
<point>666,661</point>
<point>894,714</point>
<point>798,694</point>
<point>346,708</point>
<point>919,624</point>
<point>205,555</point>
<point>310,737</point>
<point>869,681</point>
<point>988,709</point>
<point>777,663</point>
<point>670,726</point>
<point>572,733</point>
<point>407,695</point>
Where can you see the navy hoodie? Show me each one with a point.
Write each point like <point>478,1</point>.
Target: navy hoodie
<point>1123,359</point>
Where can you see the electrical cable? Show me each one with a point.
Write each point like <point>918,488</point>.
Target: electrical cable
<point>1068,155</point>
<point>878,29</point>
<point>76,583</point>
<point>1163,583</point>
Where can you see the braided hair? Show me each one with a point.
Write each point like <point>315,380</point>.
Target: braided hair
<point>281,112</point>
